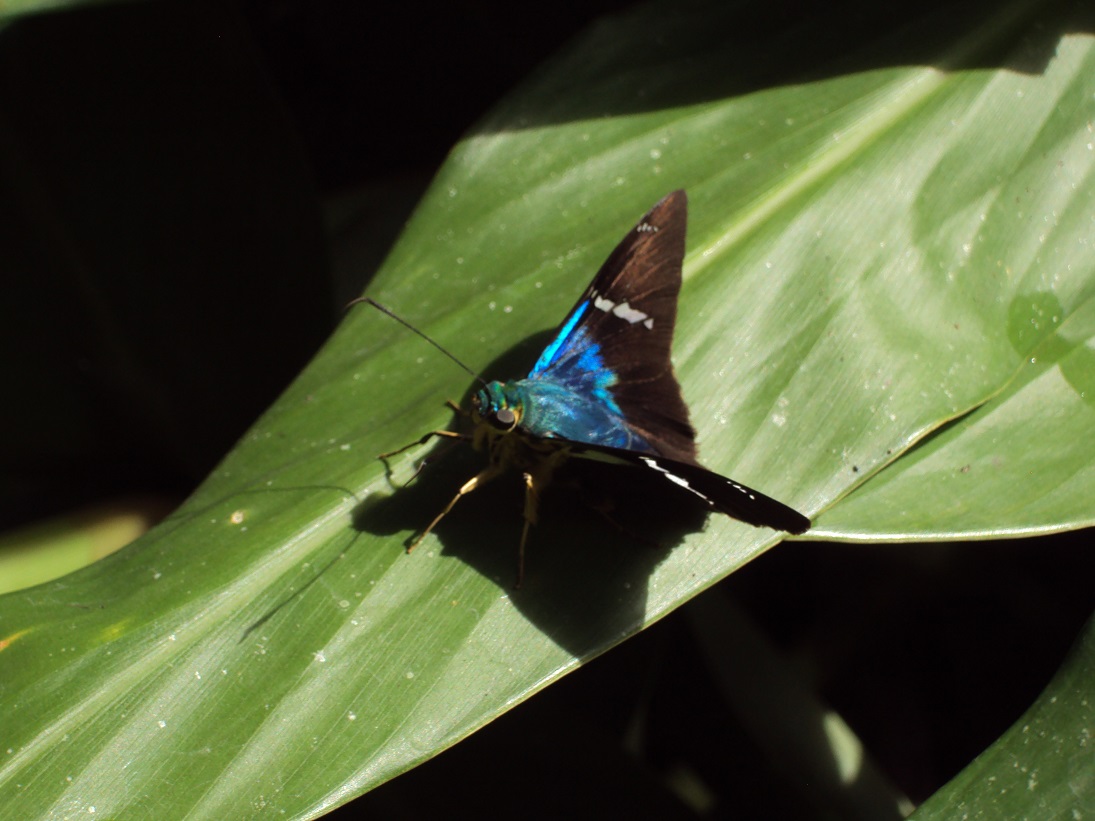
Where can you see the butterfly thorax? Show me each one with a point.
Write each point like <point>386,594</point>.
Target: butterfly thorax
<point>498,411</point>
<point>539,409</point>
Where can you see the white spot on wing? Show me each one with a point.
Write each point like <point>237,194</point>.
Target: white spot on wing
<point>650,462</point>
<point>625,311</point>
<point>602,304</point>
<point>646,460</point>
<point>622,310</point>
<point>677,479</point>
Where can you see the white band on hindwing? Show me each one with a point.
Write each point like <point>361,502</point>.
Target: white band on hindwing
<point>678,480</point>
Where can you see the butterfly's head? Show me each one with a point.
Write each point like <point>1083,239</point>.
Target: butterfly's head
<point>498,407</point>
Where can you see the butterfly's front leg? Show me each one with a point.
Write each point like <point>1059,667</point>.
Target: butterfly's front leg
<point>479,479</point>
<point>450,434</point>
<point>446,434</point>
<point>426,437</point>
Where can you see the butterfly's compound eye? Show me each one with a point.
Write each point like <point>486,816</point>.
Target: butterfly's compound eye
<point>504,419</point>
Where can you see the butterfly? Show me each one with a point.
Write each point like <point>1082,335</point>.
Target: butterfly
<point>604,389</point>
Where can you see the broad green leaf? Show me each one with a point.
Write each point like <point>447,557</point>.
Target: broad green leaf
<point>1034,435</point>
<point>867,248</point>
<point>1043,767</point>
<point>46,550</point>
<point>13,9</point>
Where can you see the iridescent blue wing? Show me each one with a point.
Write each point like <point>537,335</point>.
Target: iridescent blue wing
<point>607,378</point>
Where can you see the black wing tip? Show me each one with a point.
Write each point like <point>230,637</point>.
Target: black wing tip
<point>794,522</point>
<point>764,511</point>
<point>719,493</point>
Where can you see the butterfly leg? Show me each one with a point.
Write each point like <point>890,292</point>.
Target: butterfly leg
<point>450,434</point>
<point>535,481</point>
<point>447,434</point>
<point>436,457</point>
<point>532,504</point>
<point>475,481</point>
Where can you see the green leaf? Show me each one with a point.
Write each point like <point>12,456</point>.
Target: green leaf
<point>959,484</point>
<point>14,9</point>
<point>1043,766</point>
<point>869,251</point>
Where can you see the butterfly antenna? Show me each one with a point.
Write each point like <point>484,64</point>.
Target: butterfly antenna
<point>407,324</point>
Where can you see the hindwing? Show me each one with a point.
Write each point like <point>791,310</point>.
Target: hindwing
<point>717,492</point>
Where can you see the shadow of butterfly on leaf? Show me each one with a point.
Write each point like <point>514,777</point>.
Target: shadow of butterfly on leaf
<point>603,390</point>
<point>602,531</point>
